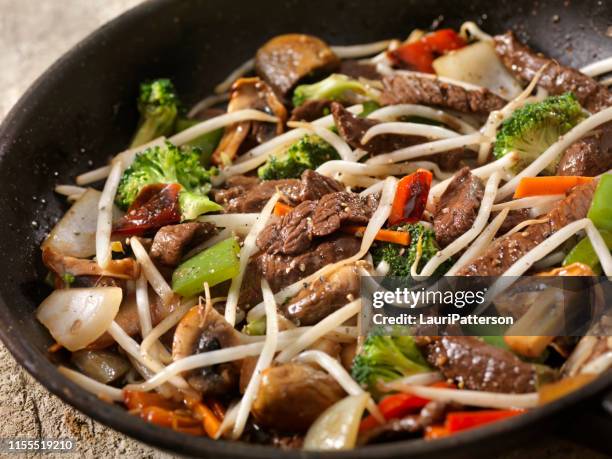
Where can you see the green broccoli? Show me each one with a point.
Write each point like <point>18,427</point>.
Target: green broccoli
<point>533,128</point>
<point>158,106</point>
<point>385,358</point>
<point>308,153</point>
<point>335,87</point>
<point>400,258</point>
<point>169,164</point>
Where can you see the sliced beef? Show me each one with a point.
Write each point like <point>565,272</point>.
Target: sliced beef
<point>590,156</point>
<point>172,242</point>
<point>507,250</point>
<point>476,365</point>
<point>458,207</point>
<point>524,63</point>
<point>410,88</point>
<point>314,186</point>
<point>294,232</point>
<point>286,59</point>
<point>513,218</point>
<point>356,69</point>
<point>311,110</point>
<point>282,270</point>
<point>323,296</point>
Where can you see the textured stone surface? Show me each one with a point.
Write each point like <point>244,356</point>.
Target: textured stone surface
<point>33,33</point>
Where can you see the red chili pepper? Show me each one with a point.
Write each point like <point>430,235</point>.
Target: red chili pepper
<point>410,197</point>
<point>154,207</point>
<point>419,55</point>
<point>462,420</point>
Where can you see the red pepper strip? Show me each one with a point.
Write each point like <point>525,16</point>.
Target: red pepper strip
<point>156,206</point>
<point>462,420</point>
<point>410,197</point>
<point>419,55</point>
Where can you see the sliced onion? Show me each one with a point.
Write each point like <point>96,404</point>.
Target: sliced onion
<point>104,224</point>
<point>337,427</point>
<point>93,175</point>
<point>77,317</point>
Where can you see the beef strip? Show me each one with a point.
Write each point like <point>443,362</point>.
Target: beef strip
<point>294,232</point>
<point>458,207</point>
<point>356,69</point>
<point>352,128</point>
<point>591,155</point>
<point>476,365</point>
<point>282,270</point>
<point>323,296</point>
<point>172,242</point>
<point>513,218</point>
<point>311,110</point>
<point>410,88</point>
<point>507,250</point>
<point>248,194</point>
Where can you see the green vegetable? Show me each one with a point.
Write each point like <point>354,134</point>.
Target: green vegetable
<point>256,327</point>
<point>158,106</point>
<point>213,265</point>
<point>600,212</point>
<point>168,164</point>
<point>385,358</point>
<point>308,153</point>
<point>583,252</point>
<point>400,258</point>
<point>193,205</point>
<point>535,127</point>
<point>68,278</point>
<point>207,143</point>
<point>335,87</point>
<point>369,106</point>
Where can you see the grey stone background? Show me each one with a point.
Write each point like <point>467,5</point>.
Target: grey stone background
<point>33,33</point>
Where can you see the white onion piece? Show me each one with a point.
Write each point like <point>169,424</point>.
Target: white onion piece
<point>142,303</point>
<point>75,234</point>
<point>264,361</point>
<point>470,397</point>
<point>249,247</point>
<point>95,387</point>
<point>208,102</point>
<point>528,202</point>
<point>337,427</point>
<point>406,128</point>
<point>151,272</point>
<point>479,64</point>
<point>70,190</point>
<point>462,241</point>
<point>241,224</point>
<point>427,149</point>
<point>396,111</point>
<point>480,243</point>
<point>337,371</point>
<point>470,29</point>
<point>551,154</point>
<point>361,50</point>
<point>104,225</point>
<point>418,379</point>
<point>319,330</point>
<point>166,324</point>
<point>374,225</point>
<point>598,68</point>
<point>76,317</point>
<point>217,122</point>
<point>244,68</point>
<point>93,175</point>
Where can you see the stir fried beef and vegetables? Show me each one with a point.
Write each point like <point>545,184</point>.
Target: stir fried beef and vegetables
<point>208,278</point>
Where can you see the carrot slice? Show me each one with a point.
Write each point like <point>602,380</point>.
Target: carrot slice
<point>538,186</point>
<point>397,237</point>
<point>281,209</point>
<point>436,431</point>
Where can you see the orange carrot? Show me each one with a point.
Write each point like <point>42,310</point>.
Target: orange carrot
<point>397,237</point>
<point>172,419</point>
<point>436,431</point>
<point>537,186</point>
<point>210,422</point>
<point>281,209</point>
<point>137,400</point>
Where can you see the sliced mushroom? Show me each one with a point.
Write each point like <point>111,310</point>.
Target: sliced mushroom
<point>126,268</point>
<point>292,396</point>
<point>286,59</point>
<point>256,94</point>
<point>203,330</point>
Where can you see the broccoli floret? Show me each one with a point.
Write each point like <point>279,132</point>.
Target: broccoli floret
<point>334,87</point>
<point>385,358</point>
<point>158,106</point>
<point>169,164</point>
<point>401,258</point>
<point>533,128</point>
<point>307,153</point>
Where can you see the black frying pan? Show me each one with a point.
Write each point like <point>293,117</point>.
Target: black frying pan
<point>82,111</point>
